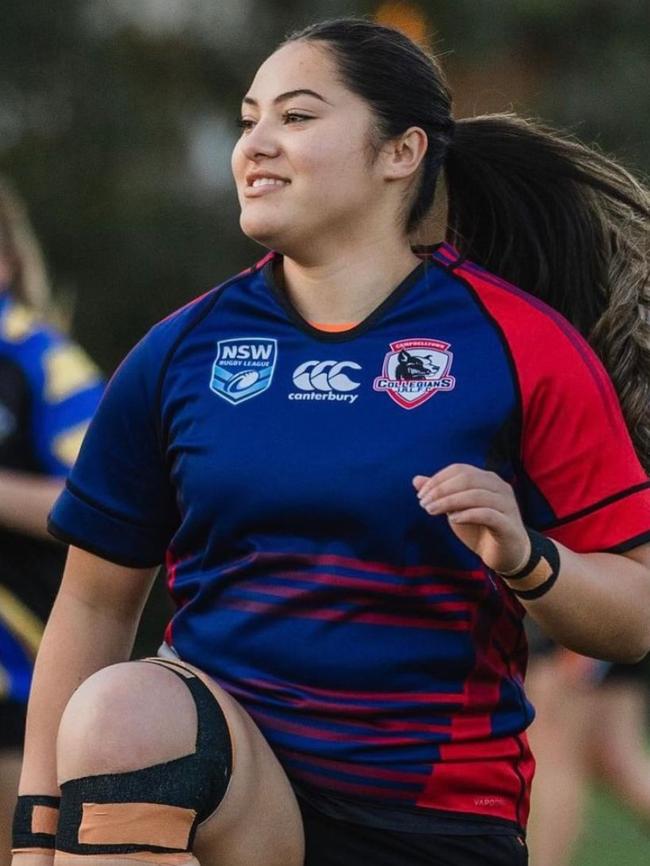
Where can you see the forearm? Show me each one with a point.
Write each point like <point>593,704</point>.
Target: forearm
<point>599,606</point>
<point>600,602</point>
<point>80,638</point>
<point>26,500</point>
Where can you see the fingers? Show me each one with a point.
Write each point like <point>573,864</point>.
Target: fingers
<point>457,478</point>
<point>457,502</point>
<point>484,517</point>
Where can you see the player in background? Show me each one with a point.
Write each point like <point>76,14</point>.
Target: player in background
<point>48,391</point>
<point>590,726</point>
<point>363,464</point>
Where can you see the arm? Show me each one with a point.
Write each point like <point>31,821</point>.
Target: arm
<point>26,500</point>
<point>92,625</point>
<point>600,604</point>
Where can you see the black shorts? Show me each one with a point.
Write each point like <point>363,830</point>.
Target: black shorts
<point>12,724</point>
<point>334,842</point>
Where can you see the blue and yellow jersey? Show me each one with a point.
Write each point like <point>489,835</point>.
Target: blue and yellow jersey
<point>270,464</point>
<point>49,389</point>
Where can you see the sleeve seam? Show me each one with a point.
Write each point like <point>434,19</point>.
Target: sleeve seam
<point>596,506</point>
<point>70,539</point>
<point>503,340</point>
<point>109,512</point>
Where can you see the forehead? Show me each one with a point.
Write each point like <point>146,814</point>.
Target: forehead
<point>298,65</point>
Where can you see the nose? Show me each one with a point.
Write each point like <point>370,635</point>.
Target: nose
<point>260,142</point>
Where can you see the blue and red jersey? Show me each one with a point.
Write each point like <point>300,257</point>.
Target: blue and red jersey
<point>270,464</point>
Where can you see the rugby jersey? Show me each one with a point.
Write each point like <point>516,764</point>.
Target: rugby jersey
<point>49,389</point>
<point>270,465</point>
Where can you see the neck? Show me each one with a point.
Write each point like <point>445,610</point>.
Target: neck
<point>348,285</point>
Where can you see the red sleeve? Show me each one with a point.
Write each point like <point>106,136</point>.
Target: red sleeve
<point>580,476</point>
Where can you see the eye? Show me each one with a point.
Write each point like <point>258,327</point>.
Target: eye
<point>290,117</point>
<point>245,123</point>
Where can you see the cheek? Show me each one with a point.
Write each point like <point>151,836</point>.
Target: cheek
<point>237,162</point>
<point>335,169</point>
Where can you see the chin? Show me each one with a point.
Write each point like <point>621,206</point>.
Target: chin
<point>267,233</point>
<point>257,229</point>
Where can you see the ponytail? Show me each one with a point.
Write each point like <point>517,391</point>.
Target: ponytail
<point>568,225</point>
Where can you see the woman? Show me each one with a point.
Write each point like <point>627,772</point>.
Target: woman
<point>48,392</point>
<point>324,449</point>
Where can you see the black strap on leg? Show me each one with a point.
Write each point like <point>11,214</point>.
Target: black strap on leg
<point>195,782</point>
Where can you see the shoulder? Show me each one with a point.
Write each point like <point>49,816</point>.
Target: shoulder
<point>170,331</point>
<point>542,344</point>
<point>512,308</point>
<point>146,365</point>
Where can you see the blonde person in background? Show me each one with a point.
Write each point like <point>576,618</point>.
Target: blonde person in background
<point>48,391</point>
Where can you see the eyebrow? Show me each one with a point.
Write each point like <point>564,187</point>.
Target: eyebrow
<point>302,91</point>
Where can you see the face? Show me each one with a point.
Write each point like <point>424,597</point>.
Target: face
<point>303,165</point>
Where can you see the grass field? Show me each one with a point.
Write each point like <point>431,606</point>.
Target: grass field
<point>611,837</point>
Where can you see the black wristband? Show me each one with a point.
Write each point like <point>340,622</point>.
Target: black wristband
<point>543,555</point>
<point>30,822</point>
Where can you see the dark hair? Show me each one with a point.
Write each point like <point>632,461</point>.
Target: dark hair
<point>538,208</point>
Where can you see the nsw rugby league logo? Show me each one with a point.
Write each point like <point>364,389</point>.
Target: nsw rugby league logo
<point>415,370</point>
<point>243,367</point>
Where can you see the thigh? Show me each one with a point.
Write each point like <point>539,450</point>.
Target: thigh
<point>332,842</point>
<point>258,823</point>
<point>143,716</point>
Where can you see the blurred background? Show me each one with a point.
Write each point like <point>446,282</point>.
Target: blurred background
<point>117,118</point>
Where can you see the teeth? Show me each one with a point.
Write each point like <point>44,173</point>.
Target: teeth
<point>268,181</point>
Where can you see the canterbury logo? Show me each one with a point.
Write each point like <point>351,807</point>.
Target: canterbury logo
<point>325,376</point>
<point>325,380</point>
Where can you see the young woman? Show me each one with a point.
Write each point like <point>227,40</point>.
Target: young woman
<point>347,456</point>
<point>49,390</point>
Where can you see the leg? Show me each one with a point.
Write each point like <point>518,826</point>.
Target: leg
<point>119,721</point>
<point>618,743</point>
<point>557,742</point>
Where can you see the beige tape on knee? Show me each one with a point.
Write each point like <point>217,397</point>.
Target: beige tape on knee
<point>136,824</point>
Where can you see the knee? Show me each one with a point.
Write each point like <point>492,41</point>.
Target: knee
<point>145,744</point>
<point>119,720</point>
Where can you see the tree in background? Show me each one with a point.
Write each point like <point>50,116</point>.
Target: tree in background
<point>117,118</point>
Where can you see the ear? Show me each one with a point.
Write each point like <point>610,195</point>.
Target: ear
<point>403,155</point>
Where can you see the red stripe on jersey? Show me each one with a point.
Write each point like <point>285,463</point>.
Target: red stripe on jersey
<point>585,533</point>
<point>440,701</point>
<point>497,785</point>
<point>357,770</point>
<point>348,615</point>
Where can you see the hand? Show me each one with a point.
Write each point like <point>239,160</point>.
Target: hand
<point>482,512</point>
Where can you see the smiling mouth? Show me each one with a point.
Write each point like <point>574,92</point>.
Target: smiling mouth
<point>268,181</point>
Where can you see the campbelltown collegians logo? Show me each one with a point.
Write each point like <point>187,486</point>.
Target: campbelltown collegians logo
<point>243,367</point>
<point>414,370</point>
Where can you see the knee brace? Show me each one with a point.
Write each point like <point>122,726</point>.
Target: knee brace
<point>156,809</point>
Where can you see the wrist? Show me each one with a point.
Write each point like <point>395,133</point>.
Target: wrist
<point>539,572</point>
<point>34,826</point>
<point>523,560</point>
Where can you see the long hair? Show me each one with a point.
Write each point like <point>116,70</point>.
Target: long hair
<point>538,208</point>
<point>19,247</point>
